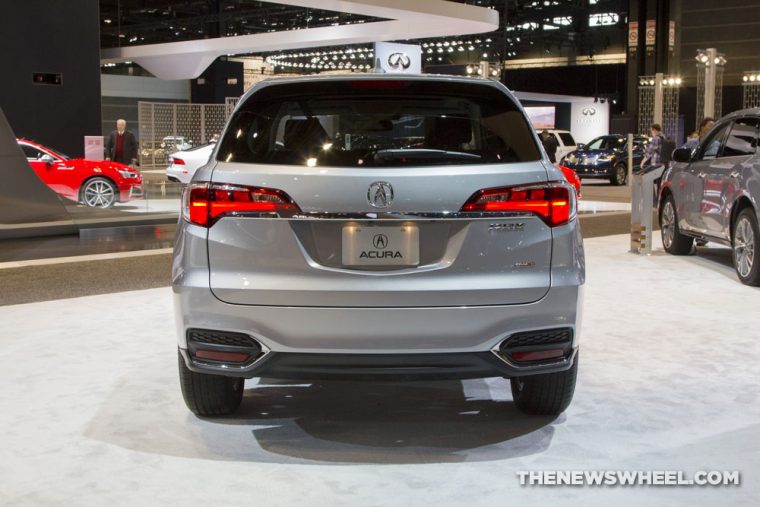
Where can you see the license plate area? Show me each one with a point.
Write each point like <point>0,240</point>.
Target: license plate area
<point>364,245</point>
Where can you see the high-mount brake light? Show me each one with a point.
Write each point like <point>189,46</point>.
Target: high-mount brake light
<point>554,202</point>
<point>379,84</point>
<point>205,203</point>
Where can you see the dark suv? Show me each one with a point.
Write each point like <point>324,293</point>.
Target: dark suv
<point>606,157</point>
<point>712,193</point>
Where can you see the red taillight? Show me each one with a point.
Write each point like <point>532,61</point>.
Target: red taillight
<point>205,203</point>
<point>178,161</point>
<point>554,203</point>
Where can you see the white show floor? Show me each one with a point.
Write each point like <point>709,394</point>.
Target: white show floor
<point>91,411</point>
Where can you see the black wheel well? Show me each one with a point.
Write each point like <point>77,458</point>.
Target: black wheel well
<point>666,192</point>
<point>740,204</point>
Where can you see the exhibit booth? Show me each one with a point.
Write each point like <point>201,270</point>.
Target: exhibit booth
<point>585,117</point>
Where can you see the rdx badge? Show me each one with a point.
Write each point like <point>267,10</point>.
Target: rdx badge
<point>508,227</point>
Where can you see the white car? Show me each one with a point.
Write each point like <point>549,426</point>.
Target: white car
<point>183,164</point>
<point>565,142</point>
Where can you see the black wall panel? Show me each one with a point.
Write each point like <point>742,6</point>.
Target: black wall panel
<point>221,80</point>
<point>54,37</point>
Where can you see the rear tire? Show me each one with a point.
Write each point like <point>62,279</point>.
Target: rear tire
<point>619,175</point>
<point>209,395</point>
<point>672,240</point>
<point>744,243</point>
<point>545,394</point>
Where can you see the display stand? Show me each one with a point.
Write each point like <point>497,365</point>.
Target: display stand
<point>642,205</point>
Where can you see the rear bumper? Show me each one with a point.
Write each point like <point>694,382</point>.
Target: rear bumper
<point>357,342</point>
<point>375,330</point>
<point>432,366</point>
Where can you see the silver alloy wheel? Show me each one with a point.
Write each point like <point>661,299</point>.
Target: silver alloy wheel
<point>98,193</point>
<point>744,247</point>
<point>668,225</point>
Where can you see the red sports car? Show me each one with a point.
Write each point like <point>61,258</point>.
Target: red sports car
<point>95,183</point>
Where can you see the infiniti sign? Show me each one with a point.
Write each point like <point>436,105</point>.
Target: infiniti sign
<point>399,61</point>
<point>588,111</point>
<point>398,58</point>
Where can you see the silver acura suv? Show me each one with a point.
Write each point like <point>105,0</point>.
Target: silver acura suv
<point>713,193</point>
<point>378,227</point>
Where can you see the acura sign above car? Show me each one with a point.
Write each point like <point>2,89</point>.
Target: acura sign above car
<point>398,58</point>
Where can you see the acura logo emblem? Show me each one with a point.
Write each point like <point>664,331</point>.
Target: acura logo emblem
<point>589,111</point>
<point>399,61</point>
<point>380,241</point>
<point>380,194</point>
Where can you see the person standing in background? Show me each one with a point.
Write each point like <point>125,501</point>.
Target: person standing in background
<point>704,128</point>
<point>121,145</point>
<point>550,145</point>
<point>654,148</point>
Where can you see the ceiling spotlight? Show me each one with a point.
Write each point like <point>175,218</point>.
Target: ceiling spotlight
<point>745,79</point>
<point>679,81</point>
<point>651,82</point>
<point>753,78</point>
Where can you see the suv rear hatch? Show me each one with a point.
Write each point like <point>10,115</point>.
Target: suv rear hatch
<point>379,192</point>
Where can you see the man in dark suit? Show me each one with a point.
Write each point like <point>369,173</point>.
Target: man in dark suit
<point>121,145</point>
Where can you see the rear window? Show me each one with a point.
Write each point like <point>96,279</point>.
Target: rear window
<point>567,139</point>
<point>378,123</point>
